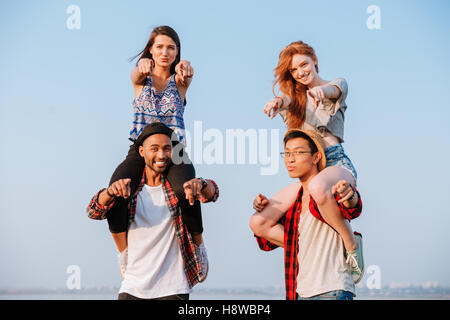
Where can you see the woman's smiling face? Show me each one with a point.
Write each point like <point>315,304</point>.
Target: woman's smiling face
<point>303,69</point>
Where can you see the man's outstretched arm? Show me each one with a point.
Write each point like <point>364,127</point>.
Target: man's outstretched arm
<point>205,190</point>
<point>103,200</point>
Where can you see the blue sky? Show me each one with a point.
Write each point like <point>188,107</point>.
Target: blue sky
<point>65,114</point>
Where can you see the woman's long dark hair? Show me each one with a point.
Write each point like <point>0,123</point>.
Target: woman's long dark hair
<point>164,30</point>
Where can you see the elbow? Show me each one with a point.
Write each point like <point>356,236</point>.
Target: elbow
<point>137,78</point>
<point>133,75</point>
<point>259,225</point>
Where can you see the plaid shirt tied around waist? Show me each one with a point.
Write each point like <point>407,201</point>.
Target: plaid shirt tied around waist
<point>192,267</point>
<point>291,221</point>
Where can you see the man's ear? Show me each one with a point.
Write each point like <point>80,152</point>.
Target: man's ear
<point>317,157</point>
<point>141,151</point>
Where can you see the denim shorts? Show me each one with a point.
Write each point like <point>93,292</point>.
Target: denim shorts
<point>332,295</point>
<point>336,157</point>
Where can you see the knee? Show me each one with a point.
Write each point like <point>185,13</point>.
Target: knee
<point>320,191</point>
<point>258,224</point>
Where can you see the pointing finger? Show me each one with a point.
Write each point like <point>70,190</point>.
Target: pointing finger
<point>122,188</point>
<point>189,197</point>
<point>113,190</point>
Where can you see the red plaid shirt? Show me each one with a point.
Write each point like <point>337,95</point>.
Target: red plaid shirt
<point>291,222</point>
<point>192,267</point>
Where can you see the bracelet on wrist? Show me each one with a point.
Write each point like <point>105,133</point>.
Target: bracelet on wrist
<point>204,183</point>
<point>277,97</point>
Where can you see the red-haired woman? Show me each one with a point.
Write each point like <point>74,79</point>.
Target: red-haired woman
<point>312,103</point>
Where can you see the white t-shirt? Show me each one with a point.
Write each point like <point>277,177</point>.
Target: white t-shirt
<point>322,266</point>
<point>155,265</point>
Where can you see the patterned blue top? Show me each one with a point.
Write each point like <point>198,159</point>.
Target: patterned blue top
<point>152,106</point>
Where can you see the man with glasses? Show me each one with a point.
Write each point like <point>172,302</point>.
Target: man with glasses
<point>315,264</point>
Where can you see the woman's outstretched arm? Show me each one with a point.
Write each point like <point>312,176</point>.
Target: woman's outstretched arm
<point>183,76</point>
<point>333,90</point>
<point>276,104</point>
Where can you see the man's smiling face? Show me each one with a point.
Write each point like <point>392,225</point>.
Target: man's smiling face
<point>157,152</point>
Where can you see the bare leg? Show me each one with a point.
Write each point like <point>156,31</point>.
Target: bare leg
<point>121,240</point>
<point>265,223</point>
<point>320,189</point>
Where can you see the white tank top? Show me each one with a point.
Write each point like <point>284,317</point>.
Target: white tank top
<point>155,265</point>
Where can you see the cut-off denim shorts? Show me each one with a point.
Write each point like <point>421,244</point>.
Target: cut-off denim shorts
<point>336,157</point>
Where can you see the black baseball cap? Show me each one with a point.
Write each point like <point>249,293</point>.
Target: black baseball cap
<point>151,129</point>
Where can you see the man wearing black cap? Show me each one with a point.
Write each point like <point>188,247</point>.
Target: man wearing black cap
<point>163,262</point>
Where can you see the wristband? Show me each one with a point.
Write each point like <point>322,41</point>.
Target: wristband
<point>204,183</point>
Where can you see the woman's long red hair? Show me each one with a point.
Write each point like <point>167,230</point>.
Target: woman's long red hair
<point>289,86</point>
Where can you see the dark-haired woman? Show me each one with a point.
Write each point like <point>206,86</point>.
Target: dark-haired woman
<point>160,80</point>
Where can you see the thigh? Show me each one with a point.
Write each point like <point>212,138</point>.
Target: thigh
<point>177,175</point>
<point>329,176</point>
<point>132,167</point>
<point>336,157</point>
<point>117,216</point>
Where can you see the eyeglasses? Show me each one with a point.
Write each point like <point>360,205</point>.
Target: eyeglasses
<point>294,153</point>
